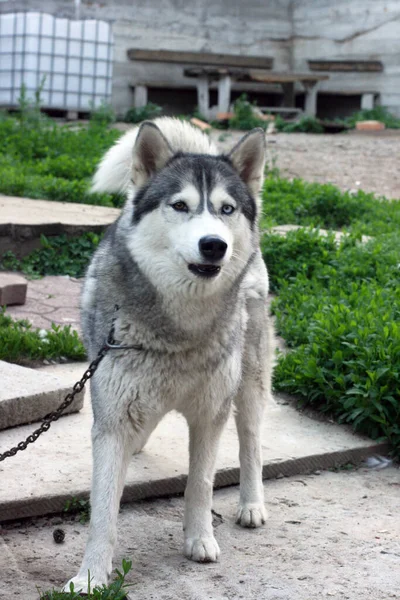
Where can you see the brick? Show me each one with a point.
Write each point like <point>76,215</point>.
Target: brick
<point>13,289</point>
<point>370,126</point>
<point>266,117</point>
<point>200,124</point>
<point>224,116</point>
<point>27,395</point>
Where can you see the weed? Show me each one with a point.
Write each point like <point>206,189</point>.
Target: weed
<point>78,506</point>
<point>20,342</point>
<point>117,590</point>
<point>136,115</point>
<point>58,255</point>
<point>304,124</point>
<point>379,113</point>
<point>102,115</point>
<point>244,117</point>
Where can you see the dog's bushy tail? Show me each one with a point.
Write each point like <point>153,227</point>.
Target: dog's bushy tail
<point>114,171</point>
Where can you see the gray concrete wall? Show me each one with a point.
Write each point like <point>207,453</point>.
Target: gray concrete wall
<point>251,27</point>
<point>351,29</point>
<point>291,31</point>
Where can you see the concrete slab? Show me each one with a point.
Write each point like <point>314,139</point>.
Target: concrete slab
<point>60,461</point>
<point>32,213</point>
<point>23,221</point>
<point>27,395</point>
<point>52,299</point>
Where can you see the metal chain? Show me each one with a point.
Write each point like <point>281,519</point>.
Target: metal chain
<point>110,344</point>
<point>69,398</point>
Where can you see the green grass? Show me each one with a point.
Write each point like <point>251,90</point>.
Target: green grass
<point>324,205</point>
<point>21,343</point>
<point>40,159</point>
<point>117,589</point>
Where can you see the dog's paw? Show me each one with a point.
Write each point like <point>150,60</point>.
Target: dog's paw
<point>251,515</point>
<point>202,549</point>
<point>80,584</point>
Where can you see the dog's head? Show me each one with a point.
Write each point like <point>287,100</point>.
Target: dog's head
<point>194,215</point>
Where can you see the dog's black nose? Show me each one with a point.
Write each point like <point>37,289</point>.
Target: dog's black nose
<point>212,247</point>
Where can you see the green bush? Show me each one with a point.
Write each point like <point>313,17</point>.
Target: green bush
<point>324,205</point>
<point>379,113</point>
<point>339,310</point>
<point>244,117</point>
<point>20,342</point>
<point>137,115</point>
<point>102,115</point>
<point>302,125</point>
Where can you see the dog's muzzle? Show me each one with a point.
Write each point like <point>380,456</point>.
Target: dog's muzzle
<point>206,271</point>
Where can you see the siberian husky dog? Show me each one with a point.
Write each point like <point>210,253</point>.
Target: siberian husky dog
<point>184,266</point>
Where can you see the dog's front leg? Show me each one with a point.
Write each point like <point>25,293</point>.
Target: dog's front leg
<point>112,450</point>
<point>255,390</point>
<point>200,544</point>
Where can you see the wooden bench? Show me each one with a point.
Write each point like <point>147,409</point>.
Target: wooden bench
<point>223,64</point>
<point>288,81</point>
<point>225,77</point>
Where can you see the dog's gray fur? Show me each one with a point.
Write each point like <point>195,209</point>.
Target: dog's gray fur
<point>207,343</point>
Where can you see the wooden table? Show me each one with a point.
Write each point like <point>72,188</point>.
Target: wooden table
<point>225,77</point>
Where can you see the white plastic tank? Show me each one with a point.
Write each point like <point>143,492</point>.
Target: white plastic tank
<point>74,56</point>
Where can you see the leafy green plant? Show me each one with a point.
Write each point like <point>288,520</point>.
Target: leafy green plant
<point>102,115</point>
<point>379,113</point>
<point>79,506</point>
<point>117,590</point>
<point>58,255</point>
<point>338,310</point>
<point>244,117</point>
<point>137,115</point>
<point>21,343</point>
<point>305,124</point>
<point>29,113</point>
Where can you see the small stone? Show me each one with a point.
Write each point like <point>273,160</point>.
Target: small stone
<point>56,521</point>
<point>13,289</point>
<point>59,536</point>
<point>370,126</point>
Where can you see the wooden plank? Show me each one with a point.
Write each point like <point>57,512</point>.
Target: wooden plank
<point>216,72</point>
<point>346,65</point>
<point>201,58</point>
<point>284,77</point>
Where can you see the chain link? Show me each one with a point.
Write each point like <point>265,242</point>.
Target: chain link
<point>69,398</point>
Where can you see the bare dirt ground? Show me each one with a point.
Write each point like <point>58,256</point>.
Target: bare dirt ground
<point>332,535</point>
<point>351,161</point>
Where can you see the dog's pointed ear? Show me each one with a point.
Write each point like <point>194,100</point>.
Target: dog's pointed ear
<point>248,158</point>
<point>150,153</point>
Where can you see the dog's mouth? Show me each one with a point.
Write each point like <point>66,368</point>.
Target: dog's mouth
<point>206,271</point>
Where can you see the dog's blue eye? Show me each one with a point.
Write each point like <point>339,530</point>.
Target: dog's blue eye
<point>227,209</point>
<point>180,206</point>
